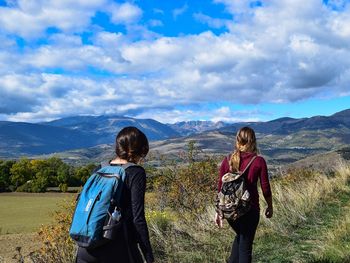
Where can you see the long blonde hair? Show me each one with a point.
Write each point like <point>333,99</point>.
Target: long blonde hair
<point>245,142</point>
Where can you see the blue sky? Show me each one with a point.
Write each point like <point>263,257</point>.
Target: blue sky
<point>218,60</point>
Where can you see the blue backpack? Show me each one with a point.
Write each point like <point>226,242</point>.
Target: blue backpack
<point>98,199</point>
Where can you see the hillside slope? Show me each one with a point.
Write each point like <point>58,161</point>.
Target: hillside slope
<point>17,139</point>
<point>283,126</point>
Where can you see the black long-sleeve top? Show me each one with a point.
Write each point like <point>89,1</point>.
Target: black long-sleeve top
<point>133,205</point>
<point>125,249</point>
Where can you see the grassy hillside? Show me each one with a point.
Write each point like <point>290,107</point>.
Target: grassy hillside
<point>310,224</point>
<point>311,219</point>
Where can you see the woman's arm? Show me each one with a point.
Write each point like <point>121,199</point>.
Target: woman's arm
<point>138,189</point>
<point>266,189</point>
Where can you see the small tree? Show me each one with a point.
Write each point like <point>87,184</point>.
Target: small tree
<point>84,172</point>
<point>189,185</point>
<point>42,172</point>
<point>21,172</point>
<point>63,176</point>
<point>5,176</point>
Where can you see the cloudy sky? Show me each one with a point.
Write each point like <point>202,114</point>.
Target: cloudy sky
<point>230,60</point>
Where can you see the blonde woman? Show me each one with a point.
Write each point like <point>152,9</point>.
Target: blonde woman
<point>246,225</point>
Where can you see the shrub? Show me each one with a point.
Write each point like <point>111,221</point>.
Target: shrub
<point>27,187</point>
<point>63,187</point>
<point>162,219</point>
<point>57,246</point>
<point>189,184</point>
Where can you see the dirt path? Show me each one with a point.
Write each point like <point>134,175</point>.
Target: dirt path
<point>8,243</point>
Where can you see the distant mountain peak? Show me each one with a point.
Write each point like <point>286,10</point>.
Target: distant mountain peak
<point>283,119</point>
<point>191,127</point>
<point>343,113</point>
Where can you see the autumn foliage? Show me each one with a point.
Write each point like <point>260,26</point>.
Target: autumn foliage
<point>57,246</point>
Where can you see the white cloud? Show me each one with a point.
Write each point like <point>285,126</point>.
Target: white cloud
<point>30,19</point>
<point>179,11</point>
<point>125,13</point>
<point>18,93</point>
<point>241,10</point>
<point>339,23</point>
<point>212,22</point>
<point>48,96</point>
<point>284,51</point>
<point>155,23</point>
<point>80,58</point>
<point>224,114</point>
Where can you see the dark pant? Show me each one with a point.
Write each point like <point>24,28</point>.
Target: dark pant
<point>245,228</point>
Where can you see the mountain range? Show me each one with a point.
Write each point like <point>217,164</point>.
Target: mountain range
<point>91,138</point>
<point>26,139</point>
<point>192,127</point>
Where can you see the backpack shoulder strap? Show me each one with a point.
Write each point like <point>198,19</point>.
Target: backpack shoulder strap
<point>127,165</point>
<point>118,172</point>
<point>250,162</point>
<point>113,170</point>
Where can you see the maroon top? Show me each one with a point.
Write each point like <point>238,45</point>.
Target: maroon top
<point>257,170</point>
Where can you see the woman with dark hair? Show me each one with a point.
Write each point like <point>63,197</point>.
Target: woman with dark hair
<point>133,246</point>
<point>246,225</point>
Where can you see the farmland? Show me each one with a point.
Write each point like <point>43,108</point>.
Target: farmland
<point>21,215</point>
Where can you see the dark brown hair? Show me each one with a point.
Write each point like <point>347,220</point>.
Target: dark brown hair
<point>131,144</point>
<point>245,142</point>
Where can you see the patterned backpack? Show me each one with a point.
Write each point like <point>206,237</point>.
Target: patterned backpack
<point>233,199</point>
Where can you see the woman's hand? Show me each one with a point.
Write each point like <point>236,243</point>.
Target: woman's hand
<point>269,212</point>
<point>218,220</point>
<point>269,209</point>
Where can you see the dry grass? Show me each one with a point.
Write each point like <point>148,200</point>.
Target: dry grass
<point>292,235</point>
<point>335,243</point>
<point>296,196</point>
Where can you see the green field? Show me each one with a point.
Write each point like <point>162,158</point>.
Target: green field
<point>26,212</point>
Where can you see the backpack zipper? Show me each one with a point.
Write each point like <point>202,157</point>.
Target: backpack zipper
<point>98,197</point>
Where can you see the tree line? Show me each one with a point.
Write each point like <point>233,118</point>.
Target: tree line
<point>26,175</point>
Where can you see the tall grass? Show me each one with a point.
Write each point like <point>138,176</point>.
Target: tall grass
<point>300,198</point>
<point>192,239</point>
<point>302,204</point>
<point>299,195</point>
<point>335,246</point>
<point>308,208</point>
